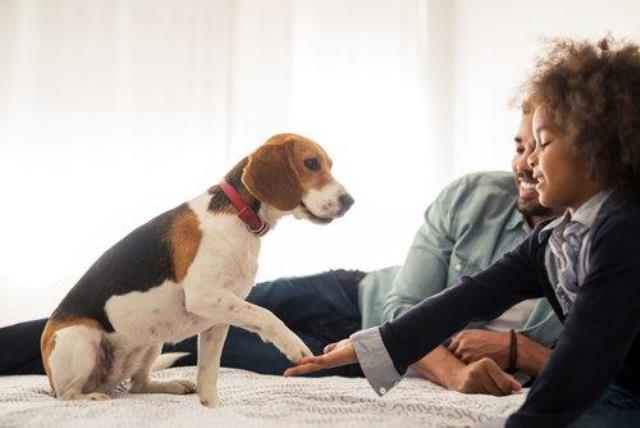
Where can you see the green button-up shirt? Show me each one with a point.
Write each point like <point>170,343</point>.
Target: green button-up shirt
<point>471,224</point>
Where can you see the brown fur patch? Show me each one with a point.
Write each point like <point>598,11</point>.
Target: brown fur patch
<point>307,149</point>
<point>184,237</point>
<point>269,176</point>
<point>48,338</point>
<point>276,173</point>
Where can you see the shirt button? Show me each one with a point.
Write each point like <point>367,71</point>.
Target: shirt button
<point>383,391</point>
<point>458,267</point>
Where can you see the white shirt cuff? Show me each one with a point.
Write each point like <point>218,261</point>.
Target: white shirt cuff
<point>375,361</point>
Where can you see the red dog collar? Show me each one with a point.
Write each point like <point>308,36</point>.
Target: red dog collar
<point>254,223</point>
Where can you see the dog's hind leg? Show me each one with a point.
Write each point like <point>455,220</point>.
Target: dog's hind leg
<point>72,362</point>
<point>142,383</point>
<point>210,344</point>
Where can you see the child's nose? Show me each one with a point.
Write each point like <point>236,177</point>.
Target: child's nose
<point>532,159</point>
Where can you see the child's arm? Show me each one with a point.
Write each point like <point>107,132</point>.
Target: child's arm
<point>482,297</point>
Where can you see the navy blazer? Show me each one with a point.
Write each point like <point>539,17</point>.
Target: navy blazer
<point>600,343</point>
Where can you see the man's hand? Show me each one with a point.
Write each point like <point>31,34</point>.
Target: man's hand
<point>335,355</point>
<point>474,345</point>
<point>483,377</point>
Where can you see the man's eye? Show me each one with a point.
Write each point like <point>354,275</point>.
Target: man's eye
<point>312,164</point>
<point>520,150</point>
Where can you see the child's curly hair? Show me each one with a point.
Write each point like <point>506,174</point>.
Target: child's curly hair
<point>593,93</point>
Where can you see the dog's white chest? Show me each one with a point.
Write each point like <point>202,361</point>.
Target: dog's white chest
<point>226,258</point>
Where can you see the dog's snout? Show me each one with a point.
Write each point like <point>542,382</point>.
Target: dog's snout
<point>345,202</point>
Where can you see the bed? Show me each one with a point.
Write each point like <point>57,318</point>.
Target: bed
<point>250,399</point>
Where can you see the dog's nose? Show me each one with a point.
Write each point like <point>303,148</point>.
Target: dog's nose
<point>345,202</point>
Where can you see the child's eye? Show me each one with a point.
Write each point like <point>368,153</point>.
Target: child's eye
<point>545,144</point>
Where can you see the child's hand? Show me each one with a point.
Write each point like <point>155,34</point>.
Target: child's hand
<point>335,355</point>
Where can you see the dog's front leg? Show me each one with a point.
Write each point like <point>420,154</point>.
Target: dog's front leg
<point>210,343</point>
<point>222,306</point>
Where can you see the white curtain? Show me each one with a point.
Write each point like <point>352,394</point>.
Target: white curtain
<point>113,111</point>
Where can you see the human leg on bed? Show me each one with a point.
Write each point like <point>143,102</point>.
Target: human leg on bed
<point>20,348</point>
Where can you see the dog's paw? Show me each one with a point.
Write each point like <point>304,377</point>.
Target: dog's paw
<point>179,387</point>
<point>94,396</point>
<point>294,348</point>
<point>182,386</point>
<point>209,400</point>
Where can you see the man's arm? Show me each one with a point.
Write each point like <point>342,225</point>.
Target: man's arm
<point>479,377</point>
<point>425,269</point>
<point>472,345</point>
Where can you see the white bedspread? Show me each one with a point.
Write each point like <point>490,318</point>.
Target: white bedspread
<point>249,399</point>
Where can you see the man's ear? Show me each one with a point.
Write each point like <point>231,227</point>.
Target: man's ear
<point>270,177</point>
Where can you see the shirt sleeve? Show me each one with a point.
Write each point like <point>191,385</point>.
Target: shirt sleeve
<point>424,271</point>
<point>599,332</point>
<point>375,361</point>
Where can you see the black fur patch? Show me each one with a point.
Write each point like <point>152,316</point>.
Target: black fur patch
<point>139,262</point>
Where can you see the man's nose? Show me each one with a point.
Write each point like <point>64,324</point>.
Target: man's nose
<point>523,163</point>
<point>345,202</point>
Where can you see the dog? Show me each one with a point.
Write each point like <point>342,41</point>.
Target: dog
<point>188,272</point>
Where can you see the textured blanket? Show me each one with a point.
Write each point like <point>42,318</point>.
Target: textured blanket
<point>249,399</point>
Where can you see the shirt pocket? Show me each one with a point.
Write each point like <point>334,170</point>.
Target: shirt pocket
<point>460,266</point>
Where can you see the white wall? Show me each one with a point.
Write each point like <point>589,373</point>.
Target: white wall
<point>406,96</point>
<point>494,44</point>
<point>113,112</point>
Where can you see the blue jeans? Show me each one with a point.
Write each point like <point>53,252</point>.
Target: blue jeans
<point>617,408</point>
<point>320,309</point>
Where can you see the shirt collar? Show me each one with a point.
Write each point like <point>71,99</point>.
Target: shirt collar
<point>586,214</point>
<point>588,211</point>
<point>517,219</point>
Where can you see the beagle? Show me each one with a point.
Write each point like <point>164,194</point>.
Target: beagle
<point>188,272</point>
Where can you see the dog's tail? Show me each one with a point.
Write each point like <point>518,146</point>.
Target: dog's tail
<point>164,361</point>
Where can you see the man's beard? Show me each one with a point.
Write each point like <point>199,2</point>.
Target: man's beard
<point>532,208</point>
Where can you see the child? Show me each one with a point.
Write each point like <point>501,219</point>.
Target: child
<point>587,262</point>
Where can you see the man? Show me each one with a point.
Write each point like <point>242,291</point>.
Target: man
<point>469,226</point>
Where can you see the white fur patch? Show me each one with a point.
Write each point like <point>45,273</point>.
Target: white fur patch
<point>325,202</point>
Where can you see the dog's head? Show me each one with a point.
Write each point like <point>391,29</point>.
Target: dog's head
<point>293,173</point>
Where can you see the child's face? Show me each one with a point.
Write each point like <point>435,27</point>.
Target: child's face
<point>559,170</point>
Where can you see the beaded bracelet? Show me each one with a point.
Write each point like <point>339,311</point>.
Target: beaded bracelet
<point>513,351</point>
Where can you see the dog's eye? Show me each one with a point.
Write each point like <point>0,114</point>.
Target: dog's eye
<point>312,164</point>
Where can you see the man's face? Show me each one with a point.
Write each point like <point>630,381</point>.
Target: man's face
<point>528,203</point>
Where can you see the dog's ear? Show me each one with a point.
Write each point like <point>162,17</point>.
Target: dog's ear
<point>270,176</point>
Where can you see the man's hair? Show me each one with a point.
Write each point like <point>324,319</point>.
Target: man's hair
<point>592,91</point>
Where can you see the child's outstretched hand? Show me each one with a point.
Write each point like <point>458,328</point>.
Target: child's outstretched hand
<point>335,355</point>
